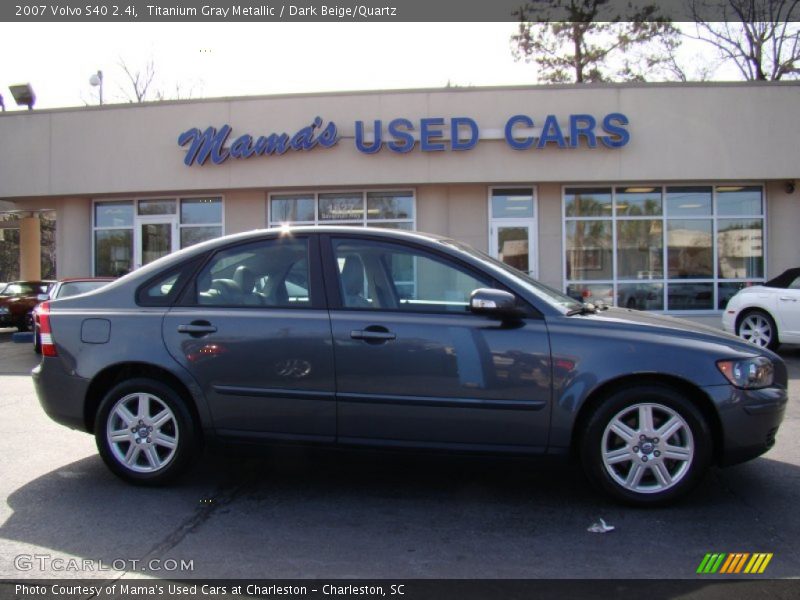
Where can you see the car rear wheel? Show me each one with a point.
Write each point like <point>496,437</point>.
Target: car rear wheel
<point>646,445</point>
<point>144,432</point>
<point>758,328</point>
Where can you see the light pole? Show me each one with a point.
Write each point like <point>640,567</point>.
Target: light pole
<point>97,80</point>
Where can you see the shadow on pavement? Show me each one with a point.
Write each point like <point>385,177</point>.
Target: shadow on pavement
<point>319,513</point>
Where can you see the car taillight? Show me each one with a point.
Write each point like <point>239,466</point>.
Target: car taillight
<point>45,331</point>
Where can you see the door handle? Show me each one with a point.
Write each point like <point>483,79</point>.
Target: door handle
<point>788,299</point>
<point>197,328</point>
<point>374,334</point>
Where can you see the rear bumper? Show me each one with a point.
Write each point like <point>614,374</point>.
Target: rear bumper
<point>61,395</point>
<point>750,420</point>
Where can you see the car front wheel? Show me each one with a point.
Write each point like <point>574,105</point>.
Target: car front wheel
<point>758,328</point>
<point>144,432</point>
<point>646,445</point>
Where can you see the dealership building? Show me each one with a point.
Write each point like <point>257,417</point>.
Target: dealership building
<point>663,197</point>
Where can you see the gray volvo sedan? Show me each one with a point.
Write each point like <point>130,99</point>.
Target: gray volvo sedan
<point>384,338</point>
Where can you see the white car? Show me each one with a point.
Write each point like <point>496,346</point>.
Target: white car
<point>767,315</point>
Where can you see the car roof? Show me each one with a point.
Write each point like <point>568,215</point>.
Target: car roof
<point>81,279</point>
<point>785,279</point>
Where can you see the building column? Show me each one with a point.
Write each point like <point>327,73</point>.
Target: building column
<point>30,248</point>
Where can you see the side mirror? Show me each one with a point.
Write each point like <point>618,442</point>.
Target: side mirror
<point>42,297</point>
<point>491,302</point>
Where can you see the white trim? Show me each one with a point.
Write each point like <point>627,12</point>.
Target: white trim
<point>363,221</point>
<point>531,222</point>
<point>665,218</point>
<point>137,219</point>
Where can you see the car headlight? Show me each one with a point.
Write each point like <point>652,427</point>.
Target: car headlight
<point>748,373</point>
<point>3,310</point>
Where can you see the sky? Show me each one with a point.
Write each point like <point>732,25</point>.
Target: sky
<point>240,59</point>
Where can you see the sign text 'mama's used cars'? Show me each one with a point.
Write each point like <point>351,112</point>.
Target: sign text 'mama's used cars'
<point>374,337</point>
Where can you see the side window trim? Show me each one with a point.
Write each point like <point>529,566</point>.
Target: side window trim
<point>333,283</point>
<point>316,288</point>
<point>186,272</point>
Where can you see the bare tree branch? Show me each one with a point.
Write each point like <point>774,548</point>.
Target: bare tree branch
<point>761,37</point>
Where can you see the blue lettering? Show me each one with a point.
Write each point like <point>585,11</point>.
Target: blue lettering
<point>241,147</point>
<point>304,139</point>
<point>272,144</point>
<point>455,138</point>
<point>376,144</point>
<point>428,131</point>
<point>582,125</point>
<point>211,143</point>
<point>516,144</point>
<point>208,143</point>
<point>401,135</point>
<point>329,136</point>
<point>551,132</point>
<point>613,124</point>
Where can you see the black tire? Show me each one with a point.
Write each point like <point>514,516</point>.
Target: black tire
<point>624,405</point>
<point>774,339</point>
<point>181,428</point>
<point>37,341</point>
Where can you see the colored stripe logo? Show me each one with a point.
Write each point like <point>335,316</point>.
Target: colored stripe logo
<point>734,563</point>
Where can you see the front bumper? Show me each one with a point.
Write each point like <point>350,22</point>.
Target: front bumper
<point>750,420</point>
<point>729,322</point>
<point>62,396</point>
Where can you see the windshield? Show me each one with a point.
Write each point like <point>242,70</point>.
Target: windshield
<point>22,289</point>
<point>545,292</point>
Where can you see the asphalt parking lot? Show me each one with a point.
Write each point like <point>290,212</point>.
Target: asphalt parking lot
<point>324,514</point>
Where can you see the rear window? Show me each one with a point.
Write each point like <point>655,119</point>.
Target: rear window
<point>73,288</point>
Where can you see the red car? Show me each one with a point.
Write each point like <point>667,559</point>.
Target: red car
<point>64,288</point>
<point>17,299</point>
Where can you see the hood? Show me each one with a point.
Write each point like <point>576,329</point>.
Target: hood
<point>672,326</point>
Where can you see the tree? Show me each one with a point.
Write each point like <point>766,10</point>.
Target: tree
<point>590,43</point>
<point>139,80</point>
<point>759,36</point>
<point>142,84</point>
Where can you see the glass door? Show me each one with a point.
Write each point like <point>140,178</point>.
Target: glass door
<point>155,237</point>
<point>512,228</point>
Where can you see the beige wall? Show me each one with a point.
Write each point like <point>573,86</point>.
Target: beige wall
<point>550,244</point>
<point>74,237</point>
<point>783,228</point>
<point>457,211</point>
<point>678,133</point>
<point>245,211</point>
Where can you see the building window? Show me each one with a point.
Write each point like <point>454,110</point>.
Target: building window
<point>393,209</point>
<point>129,233</point>
<point>113,238</point>
<point>200,220</point>
<point>663,248</point>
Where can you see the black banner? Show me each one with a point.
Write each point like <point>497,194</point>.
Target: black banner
<point>705,588</point>
<point>388,10</point>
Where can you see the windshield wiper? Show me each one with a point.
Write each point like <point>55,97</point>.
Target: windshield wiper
<point>585,309</point>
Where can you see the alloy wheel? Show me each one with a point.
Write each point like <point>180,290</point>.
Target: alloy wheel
<point>142,432</point>
<point>647,448</point>
<point>756,329</point>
